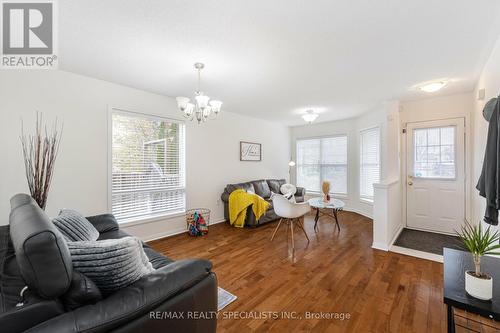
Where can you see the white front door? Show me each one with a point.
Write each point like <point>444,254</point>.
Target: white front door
<point>435,175</point>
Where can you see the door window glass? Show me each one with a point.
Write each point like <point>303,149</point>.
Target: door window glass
<point>434,152</point>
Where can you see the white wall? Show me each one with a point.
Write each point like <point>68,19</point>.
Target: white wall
<point>343,127</point>
<point>490,81</point>
<point>387,219</point>
<point>380,116</point>
<point>445,107</point>
<point>390,193</point>
<point>81,178</point>
<point>387,223</point>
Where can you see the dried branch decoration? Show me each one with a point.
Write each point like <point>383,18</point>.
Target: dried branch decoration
<point>40,151</point>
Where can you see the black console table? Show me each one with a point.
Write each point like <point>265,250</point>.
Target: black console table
<point>455,264</point>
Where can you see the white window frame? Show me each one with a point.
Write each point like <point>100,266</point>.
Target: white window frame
<point>365,198</point>
<point>156,217</point>
<point>336,194</point>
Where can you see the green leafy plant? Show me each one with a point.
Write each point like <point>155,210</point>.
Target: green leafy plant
<point>479,243</point>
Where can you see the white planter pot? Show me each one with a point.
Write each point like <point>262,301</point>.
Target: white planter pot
<point>479,288</point>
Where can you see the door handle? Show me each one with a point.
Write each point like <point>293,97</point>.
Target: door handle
<point>410,180</point>
<point>410,183</point>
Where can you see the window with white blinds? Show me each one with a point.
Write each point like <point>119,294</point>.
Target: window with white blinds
<point>369,161</point>
<point>322,159</point>
<point>147,166</point>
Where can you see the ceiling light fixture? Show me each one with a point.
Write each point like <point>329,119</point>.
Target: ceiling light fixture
<point>432,87</point>
<point>310,116</point>
<point>204,107</point>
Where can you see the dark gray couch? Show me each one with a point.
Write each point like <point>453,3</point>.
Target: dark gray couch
<point>262,187</point>
<point>33,253</point>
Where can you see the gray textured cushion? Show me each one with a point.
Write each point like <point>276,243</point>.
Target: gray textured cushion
<point>111,264</point>
<point>262,188</point>
<point>275,184</point>
<point>75,227</point>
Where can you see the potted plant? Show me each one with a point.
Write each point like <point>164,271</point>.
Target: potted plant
<point>479,284</point>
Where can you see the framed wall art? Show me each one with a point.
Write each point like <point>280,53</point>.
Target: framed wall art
<point>250,151</point>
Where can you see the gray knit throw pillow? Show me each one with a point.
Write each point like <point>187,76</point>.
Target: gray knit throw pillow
<point>111,264</point>
<point>75,227</point>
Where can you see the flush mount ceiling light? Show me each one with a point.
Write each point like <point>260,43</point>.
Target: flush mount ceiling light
<point>204,108</point>
<point>432,87</point>
<point>310,116</point>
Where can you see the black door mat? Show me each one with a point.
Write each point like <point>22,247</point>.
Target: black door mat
<point>428,241</point>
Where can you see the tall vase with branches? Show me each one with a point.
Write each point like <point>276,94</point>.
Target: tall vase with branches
<point>40,151</point>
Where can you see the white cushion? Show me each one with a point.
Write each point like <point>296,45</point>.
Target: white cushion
<point>288,189</point>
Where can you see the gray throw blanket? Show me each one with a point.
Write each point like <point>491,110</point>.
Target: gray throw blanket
<point>111,264</point>
<point>489,182</point>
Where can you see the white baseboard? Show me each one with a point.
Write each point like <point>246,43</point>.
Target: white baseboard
<point>416,253</point>
<point>396,235</point>
<point>161,235</point>
<point>406,251</point>
<point>172,232</point>
<point>181,230</point>
<point>358,211</point>
<point>386,247</point>
<point>380,246</point>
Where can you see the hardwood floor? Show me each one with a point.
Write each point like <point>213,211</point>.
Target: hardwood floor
<point>335,272</point>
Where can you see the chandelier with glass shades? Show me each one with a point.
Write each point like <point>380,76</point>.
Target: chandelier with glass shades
<point>309,116</point>
<point>204,108</point>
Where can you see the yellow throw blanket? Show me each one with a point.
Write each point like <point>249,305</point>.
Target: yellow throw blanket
<point>239,200</point>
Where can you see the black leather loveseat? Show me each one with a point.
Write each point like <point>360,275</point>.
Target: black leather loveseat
<point>33,253</point>
<point>263,188</point>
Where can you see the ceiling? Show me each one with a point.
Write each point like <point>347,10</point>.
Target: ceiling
<point>274,59</point>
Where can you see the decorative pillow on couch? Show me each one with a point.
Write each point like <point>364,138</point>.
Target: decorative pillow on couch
<point>111,264</point>
<point>288,191</point>
<point>75,227</point>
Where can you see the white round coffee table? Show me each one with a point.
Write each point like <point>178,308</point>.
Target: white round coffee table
<point>335,205</point>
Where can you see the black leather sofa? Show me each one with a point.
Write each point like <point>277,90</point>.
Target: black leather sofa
<point>34,254</point>
<point>262,187</point>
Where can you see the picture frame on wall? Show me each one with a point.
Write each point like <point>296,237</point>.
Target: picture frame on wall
<point>250,151</point>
